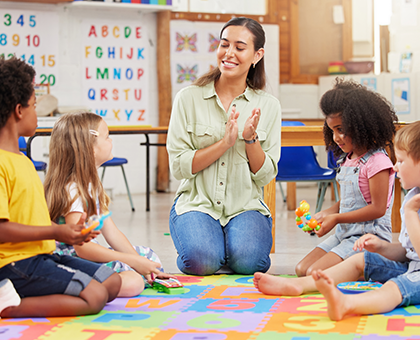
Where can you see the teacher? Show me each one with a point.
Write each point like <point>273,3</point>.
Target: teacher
<point>224,144</point>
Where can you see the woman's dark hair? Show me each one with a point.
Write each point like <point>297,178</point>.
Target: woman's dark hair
<point>367,117</point>
<point>256,76</point>
<point>16,86</point>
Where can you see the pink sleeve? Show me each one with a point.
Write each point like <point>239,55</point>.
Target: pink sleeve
<point>375,164</point>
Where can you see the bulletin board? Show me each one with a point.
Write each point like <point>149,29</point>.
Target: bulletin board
<point>322,40</point>
<point>27,34</point>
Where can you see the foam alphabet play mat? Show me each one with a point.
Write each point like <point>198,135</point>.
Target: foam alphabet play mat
<point>215,308</point>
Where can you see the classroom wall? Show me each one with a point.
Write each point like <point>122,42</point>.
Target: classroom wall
<point>404,30</point>
<point>70,92</point>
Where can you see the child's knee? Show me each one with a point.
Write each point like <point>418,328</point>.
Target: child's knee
<point>301,270</point>
<point>132,284</point>
<point>113,286</point>
<point>96,296</point>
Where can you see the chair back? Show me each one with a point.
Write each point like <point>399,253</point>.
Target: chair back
<point>22,144</point>
<point>332,160</point>
<point>299,162</point>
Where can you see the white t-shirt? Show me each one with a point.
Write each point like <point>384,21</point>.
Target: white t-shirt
<point>77,205</point>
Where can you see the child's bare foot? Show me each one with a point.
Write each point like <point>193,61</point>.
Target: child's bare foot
<point>337,302</point>
<point>273,285</point>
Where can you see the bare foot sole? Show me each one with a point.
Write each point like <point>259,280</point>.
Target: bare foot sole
<point>273,285</point>
<point>336,301</point>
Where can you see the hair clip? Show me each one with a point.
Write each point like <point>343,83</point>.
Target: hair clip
<point>94,132</point>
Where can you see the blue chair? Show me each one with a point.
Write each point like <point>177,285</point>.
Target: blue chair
<point>39,165</point>
<point>118,162</point>
<point>299,164</point>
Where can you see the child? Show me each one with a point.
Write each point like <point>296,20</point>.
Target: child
<point>359,124</point>
<point>79,145</point>
<point>395,264</point>
<point>46,284</point>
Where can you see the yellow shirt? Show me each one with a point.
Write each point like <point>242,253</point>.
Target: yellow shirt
<point>227,187</point>
<point>22,201</point>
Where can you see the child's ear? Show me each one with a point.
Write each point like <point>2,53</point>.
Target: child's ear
<point>18,111</point>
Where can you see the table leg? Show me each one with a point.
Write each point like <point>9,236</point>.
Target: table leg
<point>291,196</point>
<point>147,172</point>
<point>395,214</point>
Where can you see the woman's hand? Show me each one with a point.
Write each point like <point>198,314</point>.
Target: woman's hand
<point>251,124</point>
<point>231,131</point>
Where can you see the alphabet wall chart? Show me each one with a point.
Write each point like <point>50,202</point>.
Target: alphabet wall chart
<point>115,66</point>
<point>28,35</point>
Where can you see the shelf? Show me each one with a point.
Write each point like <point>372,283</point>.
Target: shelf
<point>117,6</point>
<point>43,1</point>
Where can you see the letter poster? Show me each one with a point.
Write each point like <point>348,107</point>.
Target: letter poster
<point>115,71</point>
<point>31,36</point>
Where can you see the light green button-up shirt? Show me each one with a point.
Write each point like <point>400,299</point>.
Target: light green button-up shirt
<point>227,187</point>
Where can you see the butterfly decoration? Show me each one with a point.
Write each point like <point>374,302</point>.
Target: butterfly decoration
<point>214,42</point>
<point>186,73</point>
<point>185,42</point>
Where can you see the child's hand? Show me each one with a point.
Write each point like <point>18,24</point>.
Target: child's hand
<point>165,276</point>
<point>320,216</point>
<point>413,204</point>
<point>147,268</point>
<point>72,233</point>
<point>326,223</point>
<point>368,242</point>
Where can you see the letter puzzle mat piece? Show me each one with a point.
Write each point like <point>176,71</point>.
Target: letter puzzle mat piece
<point>215,308</point>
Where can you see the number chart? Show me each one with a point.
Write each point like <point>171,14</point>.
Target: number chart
<point>32,36</point>
<point>116,71</point>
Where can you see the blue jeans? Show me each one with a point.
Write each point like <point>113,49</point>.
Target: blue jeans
<point>46,274</point>
<point>204,246</point>
<point>381,269</point>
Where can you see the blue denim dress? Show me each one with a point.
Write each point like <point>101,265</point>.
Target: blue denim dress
<point>352,199</point>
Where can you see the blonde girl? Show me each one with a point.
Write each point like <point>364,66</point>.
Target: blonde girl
<point>79,145</point>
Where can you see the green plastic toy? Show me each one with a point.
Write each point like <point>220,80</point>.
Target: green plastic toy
<point>168,286</point>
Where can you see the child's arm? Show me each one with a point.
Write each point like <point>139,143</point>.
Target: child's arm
<point>412,221</point>
<point>115,238</point>
<point>373,244</point>
<point>70,234</point>
<point>125,252</point>
<point>378,187</point>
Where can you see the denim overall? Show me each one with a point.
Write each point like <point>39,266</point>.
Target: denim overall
<point>351,200</point>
